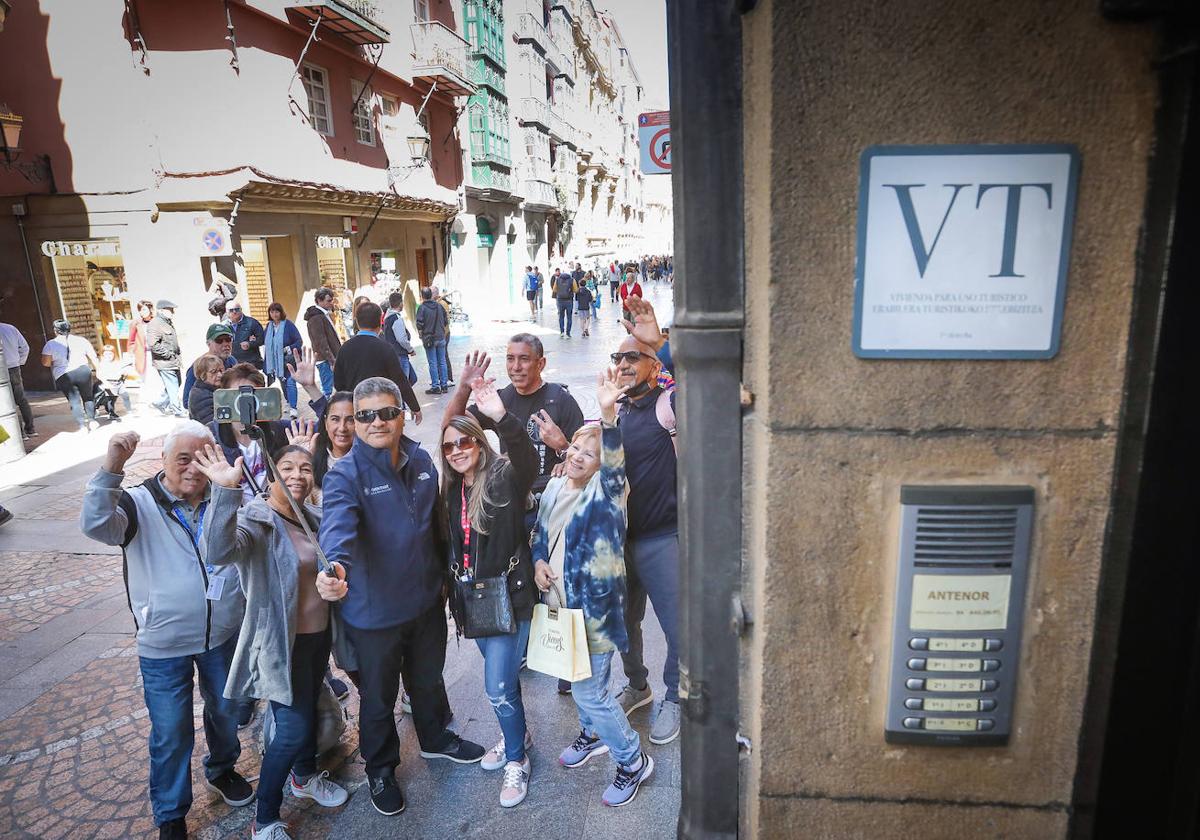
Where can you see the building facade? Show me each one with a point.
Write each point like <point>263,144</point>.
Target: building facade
<point>281,145</point>
<point>551,170</point>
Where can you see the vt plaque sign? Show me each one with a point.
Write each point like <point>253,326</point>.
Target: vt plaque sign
<point>963,251</point>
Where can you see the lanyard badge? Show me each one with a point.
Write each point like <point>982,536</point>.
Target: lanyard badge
<point>465,522</point>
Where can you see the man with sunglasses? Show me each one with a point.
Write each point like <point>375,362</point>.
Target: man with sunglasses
<point>647,421</point>
<point>248,335</point>
<point>550,414</point>
<point>380,530</point>
<point>220,344</point>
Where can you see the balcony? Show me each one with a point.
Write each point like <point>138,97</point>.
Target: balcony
<point>354,20</point>
<point>484,177</point>
<point>530,30</point>
<point>539,195</point>
<point>534,111</point>
<point>559,130</point>
<point>440,58</point>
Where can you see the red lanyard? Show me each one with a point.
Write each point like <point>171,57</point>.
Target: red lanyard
<point>466,529</point>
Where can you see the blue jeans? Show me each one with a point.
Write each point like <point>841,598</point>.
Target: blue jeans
<point>170,383</point>
<point>652,568</point>
<point>409,370</point>
<point>436,356</point>
<point>501,680</point>
<point>565,311</point>
<point>294,746</point>
<point>325,372</point>
<point>601,715</point>
<point>167,685</point>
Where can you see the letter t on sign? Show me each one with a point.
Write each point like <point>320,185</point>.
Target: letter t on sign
<point>1012,211</point>
<point>904,196</point>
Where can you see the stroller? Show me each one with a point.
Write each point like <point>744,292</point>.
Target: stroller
<point>105,394</point>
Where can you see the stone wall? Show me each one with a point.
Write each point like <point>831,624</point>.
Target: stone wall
<point>832,437</point>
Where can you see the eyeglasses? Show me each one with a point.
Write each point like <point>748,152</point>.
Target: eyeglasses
<point>631,356</point>
<point>387,413</point>
<point>464,444</point>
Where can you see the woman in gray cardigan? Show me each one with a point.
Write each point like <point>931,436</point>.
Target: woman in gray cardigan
<point>286,633</point>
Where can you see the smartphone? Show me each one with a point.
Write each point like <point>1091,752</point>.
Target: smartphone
<point>268,404</point>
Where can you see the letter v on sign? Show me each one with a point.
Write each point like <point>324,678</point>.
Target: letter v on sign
<point>904,196</point>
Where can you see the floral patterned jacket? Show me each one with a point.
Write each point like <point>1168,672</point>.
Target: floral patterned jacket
<point>594,554</point>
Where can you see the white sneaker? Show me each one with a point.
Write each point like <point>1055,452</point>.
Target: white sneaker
<point>319,789</point>
<point>272,831</point>
<point>494,758</point>
<point>516,783</point>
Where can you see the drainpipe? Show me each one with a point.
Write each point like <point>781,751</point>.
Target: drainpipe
<point>704,53</point>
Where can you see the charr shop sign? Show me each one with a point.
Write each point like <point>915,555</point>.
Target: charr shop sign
<point>333,242</point>
<point>58,248</point>
<point>963,251</point>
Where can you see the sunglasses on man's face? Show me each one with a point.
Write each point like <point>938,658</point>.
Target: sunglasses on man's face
<point>463,444</point>
<point>387,413</point>
<point>631,356</point>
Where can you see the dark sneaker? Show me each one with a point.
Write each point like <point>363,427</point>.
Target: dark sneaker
<point>457,750</point>
<point>173,830</point>
<point>234,789</point>
<point>581,751</point>
<point>433,390</point>
<point>564,687</point>
<point>5,515</point>
<point>386,796</point>
<point>340,690</point>
<point>625,786</point>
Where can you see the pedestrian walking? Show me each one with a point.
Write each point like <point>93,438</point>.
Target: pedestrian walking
<point>16,353</point>
<point>149,387</point>
<point>396,334</point>
<point>219,338</point>
<point>72,359</point>
<point>584,296</point>
<point>323,335</point>
<point>163,341</point>
<point>547,410</point>
<point>282,345</point>
<point>531,291</point>
<point>433,327</point>
<point>248,335</point>
<point>563,287</point>
<point>630,288</point>
<point>281,659</point>
<point>380,530</point>
<point>445,304</point>
<point>186,614</point>
<point>579,541</point>
<point>366,355</point>
<point>484,494</point>
<point>541,288</point>
<point>647,421</point>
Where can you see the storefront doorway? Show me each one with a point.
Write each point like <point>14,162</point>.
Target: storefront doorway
<point>89,278</point>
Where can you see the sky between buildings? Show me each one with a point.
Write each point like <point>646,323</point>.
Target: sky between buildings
<point>643,25</point>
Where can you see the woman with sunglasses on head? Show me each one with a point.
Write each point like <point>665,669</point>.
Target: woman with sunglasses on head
<point>486,494</point>
<point>286,634</point>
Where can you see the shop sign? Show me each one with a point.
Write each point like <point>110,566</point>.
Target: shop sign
<point>486,240</point>
<point>59,248</point>
<point>963,251</point>
<point>333,242</point>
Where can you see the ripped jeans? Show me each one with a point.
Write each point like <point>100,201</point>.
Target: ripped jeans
<point>501,680</point>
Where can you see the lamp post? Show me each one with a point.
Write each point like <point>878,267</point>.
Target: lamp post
<point>418,148</point>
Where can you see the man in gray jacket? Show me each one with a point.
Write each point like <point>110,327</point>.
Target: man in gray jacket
<point>187,614</point>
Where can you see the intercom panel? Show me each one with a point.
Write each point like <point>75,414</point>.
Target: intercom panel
<point>960,602</point>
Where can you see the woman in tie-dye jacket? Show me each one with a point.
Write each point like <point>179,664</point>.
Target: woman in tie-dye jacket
<point>580,539</point>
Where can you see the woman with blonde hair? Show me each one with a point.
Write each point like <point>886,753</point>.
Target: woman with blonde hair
<point>485,495</point>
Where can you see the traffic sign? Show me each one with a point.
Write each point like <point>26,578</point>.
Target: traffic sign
<point>654,137</point>
<point>214,239</point>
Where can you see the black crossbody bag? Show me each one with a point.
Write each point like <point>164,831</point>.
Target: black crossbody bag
<point>482,606</point>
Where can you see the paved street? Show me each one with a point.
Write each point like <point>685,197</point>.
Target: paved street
<point>73,727</point>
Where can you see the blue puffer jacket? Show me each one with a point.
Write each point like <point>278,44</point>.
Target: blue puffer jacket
<point>382,524</point>
<point>594,554</point>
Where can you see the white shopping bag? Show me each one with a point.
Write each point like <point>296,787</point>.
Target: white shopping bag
<point>558,641</point>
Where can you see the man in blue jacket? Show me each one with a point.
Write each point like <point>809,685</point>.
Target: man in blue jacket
<point>381,527</point>
<point>247,335</point>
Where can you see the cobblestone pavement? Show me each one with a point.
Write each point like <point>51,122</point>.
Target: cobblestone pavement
<point>74,728</point>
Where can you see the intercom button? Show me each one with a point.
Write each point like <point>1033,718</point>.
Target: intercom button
<point>914,684</point>
<point>918,644</point>
<point>991,664</point>
<point>916,664</point>
<point>988,685</point>
<point>993,644</point>
<point>987,705</point>
<point>913,703</point>
<point>914,723</point>
<point>986,725</point>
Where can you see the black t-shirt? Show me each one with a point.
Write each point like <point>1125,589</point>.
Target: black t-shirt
<point>584,298</point>
<point>557,402</point>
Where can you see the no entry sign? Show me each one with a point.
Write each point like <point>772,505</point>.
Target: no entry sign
<point>654,137</point>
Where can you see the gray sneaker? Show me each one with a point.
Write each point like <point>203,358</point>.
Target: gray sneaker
<point>632,698</point>
<point>665,728</point>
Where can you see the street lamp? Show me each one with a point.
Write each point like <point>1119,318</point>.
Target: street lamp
<point>418,147</point>
<point>10,133</point>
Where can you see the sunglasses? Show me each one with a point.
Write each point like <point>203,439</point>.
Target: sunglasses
<point>631,356</point>
<point>464,444</point>
<point>224,339</point>
<point>387,413</point>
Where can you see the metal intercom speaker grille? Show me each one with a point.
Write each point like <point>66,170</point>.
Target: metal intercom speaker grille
<point>967,537</point>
